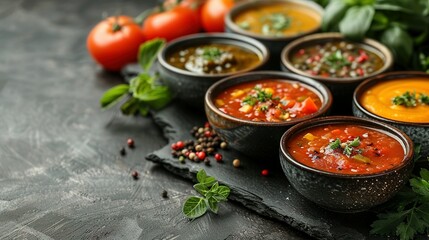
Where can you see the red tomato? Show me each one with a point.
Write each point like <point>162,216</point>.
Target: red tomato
<point>308,106</point>
<point>114,42</point>
<point>213,14</point>
<point>171,24</point>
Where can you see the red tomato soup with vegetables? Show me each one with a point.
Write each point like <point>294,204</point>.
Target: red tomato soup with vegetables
<point>268,100</point>
<point>346,149</point>
<point>339,59</point>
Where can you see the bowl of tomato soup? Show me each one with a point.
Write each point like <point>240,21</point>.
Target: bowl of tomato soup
<point>252,110</point>
<point>274,22</point>
<point>189,65</point>
<point>400,99</point>
<point>346,164</point>
<point>337,62</point>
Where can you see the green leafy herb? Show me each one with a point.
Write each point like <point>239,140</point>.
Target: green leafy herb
<point>275,24</point>
<point>335,144</point>
<point>250,100</point>
<point>259,96</point>
<point>211,53</point>
<point>264,108</point>
<point>213,193</point>
<point>144,93</point>
<point>409,211</point>
<point>407,99</point>
<point>337,60</point>
<point>424,98</point>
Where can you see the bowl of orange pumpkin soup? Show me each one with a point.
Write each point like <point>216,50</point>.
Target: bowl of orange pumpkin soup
<point>274,22</point>
<point>346,164</point>
<point>400,99</point>
<point>252,110</point>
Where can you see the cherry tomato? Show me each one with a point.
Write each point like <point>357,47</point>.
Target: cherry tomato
<point>114,42</point>
<point>176,22</point>
<point>213,14</point>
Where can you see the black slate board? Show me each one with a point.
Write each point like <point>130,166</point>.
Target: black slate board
<point>270,196</point>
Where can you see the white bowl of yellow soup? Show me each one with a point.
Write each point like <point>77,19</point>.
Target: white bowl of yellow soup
<point>400,99</point>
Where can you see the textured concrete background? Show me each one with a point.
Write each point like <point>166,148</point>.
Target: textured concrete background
<point>61,176</point>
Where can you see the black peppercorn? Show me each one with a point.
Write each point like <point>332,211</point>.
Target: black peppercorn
<point>135,175</point>
<point>164,194</point>
<point>123,152</point>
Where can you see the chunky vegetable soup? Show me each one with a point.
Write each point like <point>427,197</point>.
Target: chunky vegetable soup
<point>268,100</point>
<point>214,58</point>
<point>282,19</point>
<point>346,149</point>
<point>336,59</point>
<point>404,100</point>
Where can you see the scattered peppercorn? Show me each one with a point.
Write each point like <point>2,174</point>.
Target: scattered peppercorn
<point>135,174</point>
<point>130,143</point>
<point>218,157</point>
<point>182,159</point>
<point>236,163</point>
<point>201,155</point>
<point>223,145</point>
<point>122,151</point>
<point>207,161</point>
<point>164,194</point>
<point>265,172</point>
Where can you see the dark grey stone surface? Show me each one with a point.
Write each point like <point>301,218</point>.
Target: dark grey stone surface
<point>61,175</point>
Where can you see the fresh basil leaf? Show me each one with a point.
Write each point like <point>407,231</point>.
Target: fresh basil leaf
<point>356,22</point>
<point>201,175</point>
<point>214,187</point>
<point>141,84</point>
<point>201,188</point>
<point>334,12</point>
<point>399,42</point>
<point>130,107</point>
<point>424,173</point>
<point>194,207</point>
<point>114,95</point>
<point>148,52</point>
<point>391,6</point>
<point>223,191</point>
<point>379,22</point>
<point>143,110</point>
<point>151,93</point>
<point>213,205</point>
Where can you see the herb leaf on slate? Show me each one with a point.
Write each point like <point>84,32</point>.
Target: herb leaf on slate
<point>213,193</point>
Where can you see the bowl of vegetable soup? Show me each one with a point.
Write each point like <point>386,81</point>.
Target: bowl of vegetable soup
<point>346,164</point>
<point>252,110</point>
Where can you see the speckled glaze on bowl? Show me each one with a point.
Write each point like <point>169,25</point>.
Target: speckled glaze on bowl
<point>191,87</point>
<point>341,88</point>
<point>342,192</point>
<point>258,139</point>
<point>275,44</point>
<point>418,132</point>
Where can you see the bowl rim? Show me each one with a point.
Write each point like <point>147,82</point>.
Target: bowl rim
<point>207,37</point>
<point>387,56</point>
<point>405,141</point>
<point>321,89</point>
<point>361,88</point>
<point>237,9</point>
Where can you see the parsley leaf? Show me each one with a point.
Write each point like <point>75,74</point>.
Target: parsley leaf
<point>337,60</point>
<point>211,53</point>
<point>407,99</point>
<point>424,98</point>
<point>409,211</point>
<point>213,193</point>
<point>335,144</point>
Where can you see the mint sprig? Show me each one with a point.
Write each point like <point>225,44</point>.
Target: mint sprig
<point>144,92</point>
<point>212,192</point>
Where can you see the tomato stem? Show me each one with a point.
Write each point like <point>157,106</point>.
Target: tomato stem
<point>116,26</point>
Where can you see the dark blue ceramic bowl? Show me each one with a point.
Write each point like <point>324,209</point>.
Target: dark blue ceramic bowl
<point>258,139</point>
<point>342,192</point>
<point>191,87</point>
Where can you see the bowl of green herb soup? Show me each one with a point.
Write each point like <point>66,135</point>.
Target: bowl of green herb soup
<point>189,65</point>
<point>274,22</point>
<point>339,63</point>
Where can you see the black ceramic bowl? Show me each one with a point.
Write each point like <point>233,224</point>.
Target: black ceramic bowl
<point>341,88</point>
<point>258,139</point>
<point>274,43</point>
<point>342,192</point>
<point>191,87</point>
<point>418,132</point>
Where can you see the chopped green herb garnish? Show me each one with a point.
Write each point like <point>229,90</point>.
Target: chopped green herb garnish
<point>424,98</point>
<point>337,60</point>
<point>244,25</point>
<point>263,96</point>
<point>250,100</point>
<point>275,24</point>
<point>211,53</point>
<point>407,99</point>
<point>335,144</point>
<point>355,142</point>
<point>348,149</point>
<point>264,108</point>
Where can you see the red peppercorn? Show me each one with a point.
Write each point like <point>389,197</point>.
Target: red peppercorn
<point>218,157</point>
<point>265,172</point>
<point>174,146</point>
<point>135,175</point>
<point>180,145</point>
<point>130,143</point>
<point>207,125</point>
<point>201,155</point>
<point>207,134</point>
